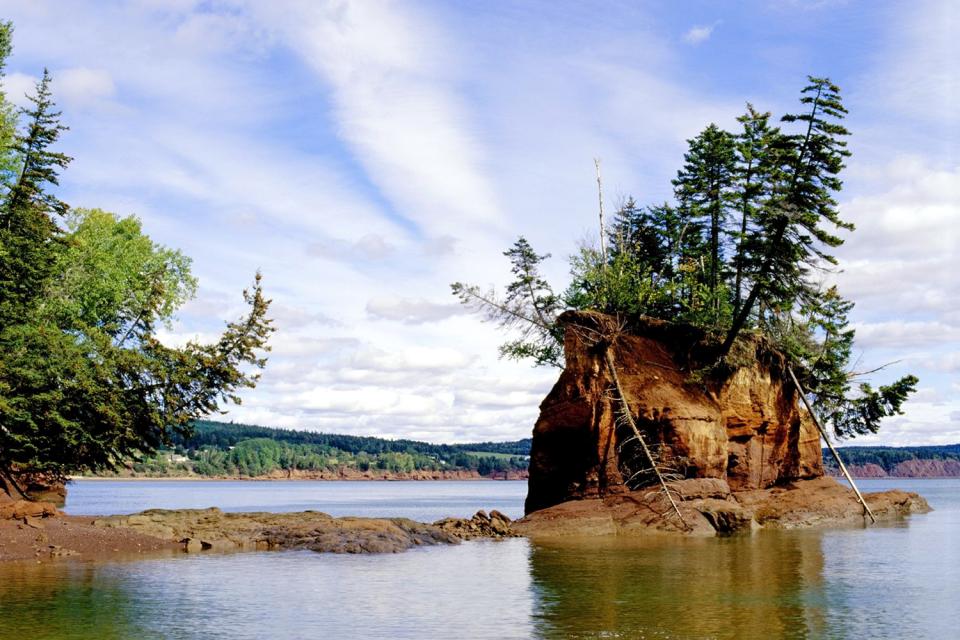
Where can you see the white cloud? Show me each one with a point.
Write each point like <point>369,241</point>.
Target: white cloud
<point>411,310</point>
<point>898,334</point>
<point>397,108</point>
<point>17,86</point>
<point>82,86</point>
<point>698,34</point>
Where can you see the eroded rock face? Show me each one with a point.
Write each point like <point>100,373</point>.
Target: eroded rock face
<point>744,428</point>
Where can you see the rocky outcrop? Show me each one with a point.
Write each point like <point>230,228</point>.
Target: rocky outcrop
<point>710,508</point>
<point>20,509</point>
<point>481,525</point>
<point>34,486</point>
<point>916,468</point>
<point>211,529</point>
<point>743,427</point>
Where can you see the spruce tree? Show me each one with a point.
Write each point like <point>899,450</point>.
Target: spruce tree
<point>704,191</point>
<point>757,171</point>
<point>789,238</point>
<point>28,229</point>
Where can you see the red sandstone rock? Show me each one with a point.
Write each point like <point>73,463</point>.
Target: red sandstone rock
<point>745,427</point>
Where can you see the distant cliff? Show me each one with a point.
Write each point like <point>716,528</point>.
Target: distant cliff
<point>898,462</point>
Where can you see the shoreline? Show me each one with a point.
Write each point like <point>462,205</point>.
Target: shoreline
<point>451,479</point>
<point>272,479</point>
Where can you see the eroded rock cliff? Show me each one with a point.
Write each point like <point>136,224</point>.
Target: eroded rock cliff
<point>743,426</point>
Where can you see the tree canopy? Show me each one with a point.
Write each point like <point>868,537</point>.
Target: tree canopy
<point>84,379</point>
<point>745,246</point>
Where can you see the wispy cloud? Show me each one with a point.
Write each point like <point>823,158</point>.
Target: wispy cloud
<point>365,154</point>
<point>698,34</point>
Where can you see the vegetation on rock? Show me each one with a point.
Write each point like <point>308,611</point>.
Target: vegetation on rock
<point>745,246</point>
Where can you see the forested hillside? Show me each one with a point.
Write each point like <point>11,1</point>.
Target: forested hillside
<point>902,462</point>
<point>217,449</point>
<point>221,449</point>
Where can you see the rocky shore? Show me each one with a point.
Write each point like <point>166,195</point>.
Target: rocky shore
<point>710,508</point>
<point>37,531</point>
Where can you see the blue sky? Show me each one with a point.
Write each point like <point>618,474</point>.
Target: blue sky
<point>366,154</point>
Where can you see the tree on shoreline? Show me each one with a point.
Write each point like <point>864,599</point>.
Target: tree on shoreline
<point>685,262</point>
<point>84,380</point>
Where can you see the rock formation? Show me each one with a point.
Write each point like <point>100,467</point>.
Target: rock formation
<point>212,529</point>
<point>743,426</point>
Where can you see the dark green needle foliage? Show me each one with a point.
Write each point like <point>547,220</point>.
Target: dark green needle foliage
<point>84,381</point>
<point>744,248</point>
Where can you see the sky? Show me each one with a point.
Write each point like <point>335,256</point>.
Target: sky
<point>364,155</point>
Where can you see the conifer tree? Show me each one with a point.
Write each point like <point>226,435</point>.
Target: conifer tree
<point>28,230</point>
<point>704,190</point>
<point>84,380</point>
<point>789,238</point>
<point>529,307</point>
<point>757,167</point>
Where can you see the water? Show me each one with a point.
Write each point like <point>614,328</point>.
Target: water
<point>425,501</point>
<point>890,581</point>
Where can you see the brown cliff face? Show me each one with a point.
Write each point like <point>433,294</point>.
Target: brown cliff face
<point>744,426</point>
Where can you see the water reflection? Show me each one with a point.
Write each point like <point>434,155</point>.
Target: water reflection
<point>766,586</point>
<point>64,600</point>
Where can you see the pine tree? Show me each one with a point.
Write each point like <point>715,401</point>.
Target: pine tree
<point>40,166</point>
<point>28,232</point>
<point>704,190</point>
<point>757,172</point>
<point>789,238</point>
<point>529,307</point>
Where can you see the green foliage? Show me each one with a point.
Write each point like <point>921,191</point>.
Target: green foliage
<point>9,161</point>
<point>110,275</point>
<point>704,188</point>
<point>220,449</point>
<point>743,248</point>
<point>84,382</point>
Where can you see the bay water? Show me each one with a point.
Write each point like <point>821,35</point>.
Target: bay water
<point>895,580</point>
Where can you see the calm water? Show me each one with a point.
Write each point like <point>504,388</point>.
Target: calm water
<point>894,581</point>
<point>425,501</point>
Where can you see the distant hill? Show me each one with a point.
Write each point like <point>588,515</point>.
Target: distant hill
<point>899,462</point>
<point>227,449</point>
<point>220,449</point>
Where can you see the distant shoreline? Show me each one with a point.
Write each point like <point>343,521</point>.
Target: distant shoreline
<point>293,479</point>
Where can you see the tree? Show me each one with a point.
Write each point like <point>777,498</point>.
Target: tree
<point>789,238</point>
<point>704,189</point>
<point>757,148</point>
<point>682,262</point>
<point>28,230</point>
<point>84,380</point>
<point>9,164</point>
<point>530,307</point>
